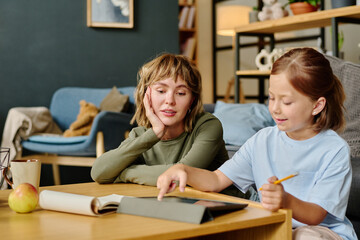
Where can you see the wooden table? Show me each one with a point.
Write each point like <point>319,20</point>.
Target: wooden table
<point>252,222</point>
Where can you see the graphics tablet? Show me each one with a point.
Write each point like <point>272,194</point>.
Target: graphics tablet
<point>212,205</point>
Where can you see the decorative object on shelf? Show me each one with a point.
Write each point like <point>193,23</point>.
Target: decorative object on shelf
<point>342,3</point>
<point>231,14</point>
<point>264,60</point>
<point>340,44</point>
<point>265,64</point>
<point>304,6</point>
<point>340,39</point>
<point>253,15</point>
<point>110,13</point>
<point>272,9</point>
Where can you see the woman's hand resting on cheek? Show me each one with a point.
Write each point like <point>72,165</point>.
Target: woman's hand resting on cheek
<point>157,125</point>
<point>273,195</point>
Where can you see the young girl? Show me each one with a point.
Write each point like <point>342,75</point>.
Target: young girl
<point>173,127</point>
<point>306,102</point>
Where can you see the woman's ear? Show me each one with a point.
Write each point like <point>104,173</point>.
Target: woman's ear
<point>319,105</point>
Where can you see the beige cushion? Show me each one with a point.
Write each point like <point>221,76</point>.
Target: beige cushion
<point>115,101</point>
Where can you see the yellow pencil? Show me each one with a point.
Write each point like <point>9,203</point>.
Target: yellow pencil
<point>283,179</point>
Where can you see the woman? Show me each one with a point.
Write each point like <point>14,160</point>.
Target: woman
<point>173,127</point>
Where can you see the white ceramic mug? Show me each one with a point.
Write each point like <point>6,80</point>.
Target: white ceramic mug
<point>24,171</point>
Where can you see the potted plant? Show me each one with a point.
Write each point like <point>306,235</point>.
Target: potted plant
<point>253,15</point>
<point>304,6</point>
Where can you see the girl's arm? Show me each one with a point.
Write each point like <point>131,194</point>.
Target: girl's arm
<point>274,197</point>
<point>305,212</point>
<point>200,179</point>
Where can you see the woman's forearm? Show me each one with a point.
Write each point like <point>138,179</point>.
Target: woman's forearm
<point>109,165</point>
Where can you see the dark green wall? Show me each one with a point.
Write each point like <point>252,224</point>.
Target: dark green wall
<point>45,45</point>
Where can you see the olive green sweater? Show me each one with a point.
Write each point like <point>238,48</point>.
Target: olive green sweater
<point>142,157</point>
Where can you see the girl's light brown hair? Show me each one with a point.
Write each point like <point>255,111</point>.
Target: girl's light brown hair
<point>168,66</point>
<point>310,73</point>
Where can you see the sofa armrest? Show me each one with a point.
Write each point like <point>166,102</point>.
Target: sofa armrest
<point>209,107</point>
<point>114,126</point>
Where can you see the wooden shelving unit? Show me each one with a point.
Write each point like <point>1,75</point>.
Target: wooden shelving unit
<point>260,43</point>
<point>320,19</point>
<point>302,21</point>
<point>252,73</point>
<point>187,28</point>
<point>255,74</point>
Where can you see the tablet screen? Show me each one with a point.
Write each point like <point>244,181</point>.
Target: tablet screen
<point>213,205</point>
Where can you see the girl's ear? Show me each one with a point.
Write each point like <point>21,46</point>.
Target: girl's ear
<point>319,105</point>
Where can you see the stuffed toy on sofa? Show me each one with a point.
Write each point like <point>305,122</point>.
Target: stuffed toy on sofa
<point>82,125</point>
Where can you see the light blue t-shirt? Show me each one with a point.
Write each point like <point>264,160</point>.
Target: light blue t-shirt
<point>323,164</point>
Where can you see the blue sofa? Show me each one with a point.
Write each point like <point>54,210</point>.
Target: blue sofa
<point>108,129</point>
<point>64,108</point>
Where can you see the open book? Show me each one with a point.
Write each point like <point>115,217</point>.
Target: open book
<point>79,204</point>
<point>191,210</point>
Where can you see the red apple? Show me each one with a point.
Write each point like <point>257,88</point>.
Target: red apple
<point>24,198</point>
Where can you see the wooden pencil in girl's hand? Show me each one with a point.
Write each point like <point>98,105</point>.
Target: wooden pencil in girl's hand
<point>283,179</point>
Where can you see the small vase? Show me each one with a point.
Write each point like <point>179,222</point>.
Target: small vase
<point>302,7</point>
<point>253,16</point>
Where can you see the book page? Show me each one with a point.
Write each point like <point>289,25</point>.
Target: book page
<point>107,203</point>
<point>79,204</point>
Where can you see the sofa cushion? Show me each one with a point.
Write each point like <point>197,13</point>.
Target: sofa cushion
<point>64,106</point>
<point>241,121</point>
<point>115,101</point>
<point>56,139</point>
<point>349,75</point>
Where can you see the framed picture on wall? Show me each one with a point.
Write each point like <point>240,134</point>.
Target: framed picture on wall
<point>110,13</point>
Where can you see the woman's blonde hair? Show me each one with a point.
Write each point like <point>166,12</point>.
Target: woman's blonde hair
<point>168,66</point>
